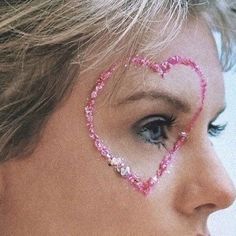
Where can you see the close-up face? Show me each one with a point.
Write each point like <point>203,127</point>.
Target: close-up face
<point>139,115</point>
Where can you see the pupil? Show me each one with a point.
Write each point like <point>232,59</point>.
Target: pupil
<point>152,131</point>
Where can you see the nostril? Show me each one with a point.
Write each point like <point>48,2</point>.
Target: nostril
<point>207,207</point>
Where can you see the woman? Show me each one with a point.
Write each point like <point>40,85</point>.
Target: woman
<point>158,89</point>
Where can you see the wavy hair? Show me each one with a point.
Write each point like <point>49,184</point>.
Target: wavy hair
<point>45,43</point>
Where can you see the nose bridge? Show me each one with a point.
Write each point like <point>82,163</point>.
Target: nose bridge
<point>210,176</point>
<point>207,187</point>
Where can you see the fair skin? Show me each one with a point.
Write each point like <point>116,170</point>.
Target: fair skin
<point>65,188</point>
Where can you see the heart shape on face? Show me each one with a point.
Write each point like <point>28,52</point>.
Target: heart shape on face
<point>144,186</point>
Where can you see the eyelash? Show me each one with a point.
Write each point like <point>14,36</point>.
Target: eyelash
<point>159,122</point>
<point>215,130</point>
<point>145,129</point>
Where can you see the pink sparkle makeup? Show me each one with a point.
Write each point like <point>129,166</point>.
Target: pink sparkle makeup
<point>119,164</point>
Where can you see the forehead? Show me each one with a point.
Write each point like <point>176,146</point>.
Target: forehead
<point>196,42</point>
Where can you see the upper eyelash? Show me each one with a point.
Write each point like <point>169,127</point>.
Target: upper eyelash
<point>216,130</point>
<point>171,120</point>
<point>168,121</point>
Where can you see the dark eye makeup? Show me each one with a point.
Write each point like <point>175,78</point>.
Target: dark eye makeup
<point>216,130</point>
<point>155,129</point>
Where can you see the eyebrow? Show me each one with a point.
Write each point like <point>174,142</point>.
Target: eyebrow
<point>175,102</point>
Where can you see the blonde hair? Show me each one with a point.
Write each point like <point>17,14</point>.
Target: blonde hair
<point>44,44</point>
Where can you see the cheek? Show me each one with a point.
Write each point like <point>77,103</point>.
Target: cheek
<point>126,143</point>
<point>119,163</point>
<point>110,200</point>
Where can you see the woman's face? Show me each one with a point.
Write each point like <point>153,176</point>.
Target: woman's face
<point>67,188</point>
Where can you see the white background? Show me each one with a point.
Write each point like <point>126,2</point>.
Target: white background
<point>223,223</point>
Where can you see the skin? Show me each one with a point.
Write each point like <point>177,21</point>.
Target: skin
<point>65,188</point>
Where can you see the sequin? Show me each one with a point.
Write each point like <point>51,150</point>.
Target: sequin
<point>143,186</point>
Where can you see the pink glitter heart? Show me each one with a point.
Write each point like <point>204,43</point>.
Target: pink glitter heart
<point>144,186</point>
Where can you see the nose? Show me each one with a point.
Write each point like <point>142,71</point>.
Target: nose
<point>206,187</point>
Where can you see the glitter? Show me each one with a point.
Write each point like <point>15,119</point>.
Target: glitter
<point>119,165</point>
<point>116,161</point>
<point>124,171</point>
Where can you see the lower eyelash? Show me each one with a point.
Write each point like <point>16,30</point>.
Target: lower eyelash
<point>154,124</point>
<point>158,144</point>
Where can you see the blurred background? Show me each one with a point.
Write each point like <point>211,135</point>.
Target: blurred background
<point>223,223</point>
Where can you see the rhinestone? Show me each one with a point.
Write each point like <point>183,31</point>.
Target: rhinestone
<point>154,179</point>
<point>104,152</point>
<point>183,134</point>
<point>94,94</point>
<point>124,171</point>
<point>115,161</point>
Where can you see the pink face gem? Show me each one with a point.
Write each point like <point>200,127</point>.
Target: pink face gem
<point>119,165</point>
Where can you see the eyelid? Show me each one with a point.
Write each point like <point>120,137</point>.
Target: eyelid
<point>220,112</point>
<point>165,118</point>
<point>151,118</point>
<point>146,127</point>
<point>216,130</point>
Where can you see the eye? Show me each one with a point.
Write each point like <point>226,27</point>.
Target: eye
<point>216,130</point>
<point>153,129</point>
